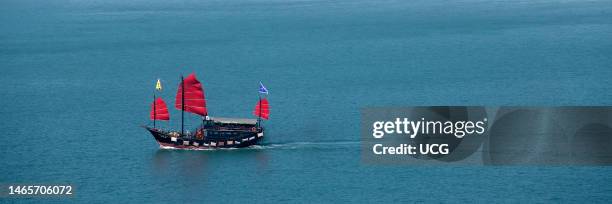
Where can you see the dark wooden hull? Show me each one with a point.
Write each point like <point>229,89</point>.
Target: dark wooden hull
<point>212,139</point>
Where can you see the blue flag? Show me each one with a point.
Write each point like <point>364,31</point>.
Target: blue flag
<point>262,88</point>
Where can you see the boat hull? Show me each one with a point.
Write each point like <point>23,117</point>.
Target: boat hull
<point>212,140</point>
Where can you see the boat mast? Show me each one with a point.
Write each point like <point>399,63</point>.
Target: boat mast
<point>182,105</point>
<point>154,110</point>
<point>203,119</point>
<point>259,115</point>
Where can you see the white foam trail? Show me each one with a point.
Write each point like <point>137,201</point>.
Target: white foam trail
<point>304,145</point>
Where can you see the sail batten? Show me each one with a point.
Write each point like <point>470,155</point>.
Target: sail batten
<point>159,110</point>
<point>262,109</point>
<point>192,96</point>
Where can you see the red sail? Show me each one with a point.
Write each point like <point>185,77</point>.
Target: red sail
<point>159,110</point>
<point>194,96</point>
<point>262,109</point>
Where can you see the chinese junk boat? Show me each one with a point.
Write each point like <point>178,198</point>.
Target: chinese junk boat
<point>214,132</point>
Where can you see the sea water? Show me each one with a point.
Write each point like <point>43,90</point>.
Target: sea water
<point>77,79</point>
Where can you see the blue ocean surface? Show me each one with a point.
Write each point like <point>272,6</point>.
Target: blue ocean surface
<point>77,78</point>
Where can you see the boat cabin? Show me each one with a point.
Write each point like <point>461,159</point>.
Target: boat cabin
<point>230,123</point>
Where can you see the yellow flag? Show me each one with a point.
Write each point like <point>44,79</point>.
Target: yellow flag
<point>158,85</point>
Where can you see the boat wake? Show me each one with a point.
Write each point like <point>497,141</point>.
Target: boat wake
<point>307,145</point>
